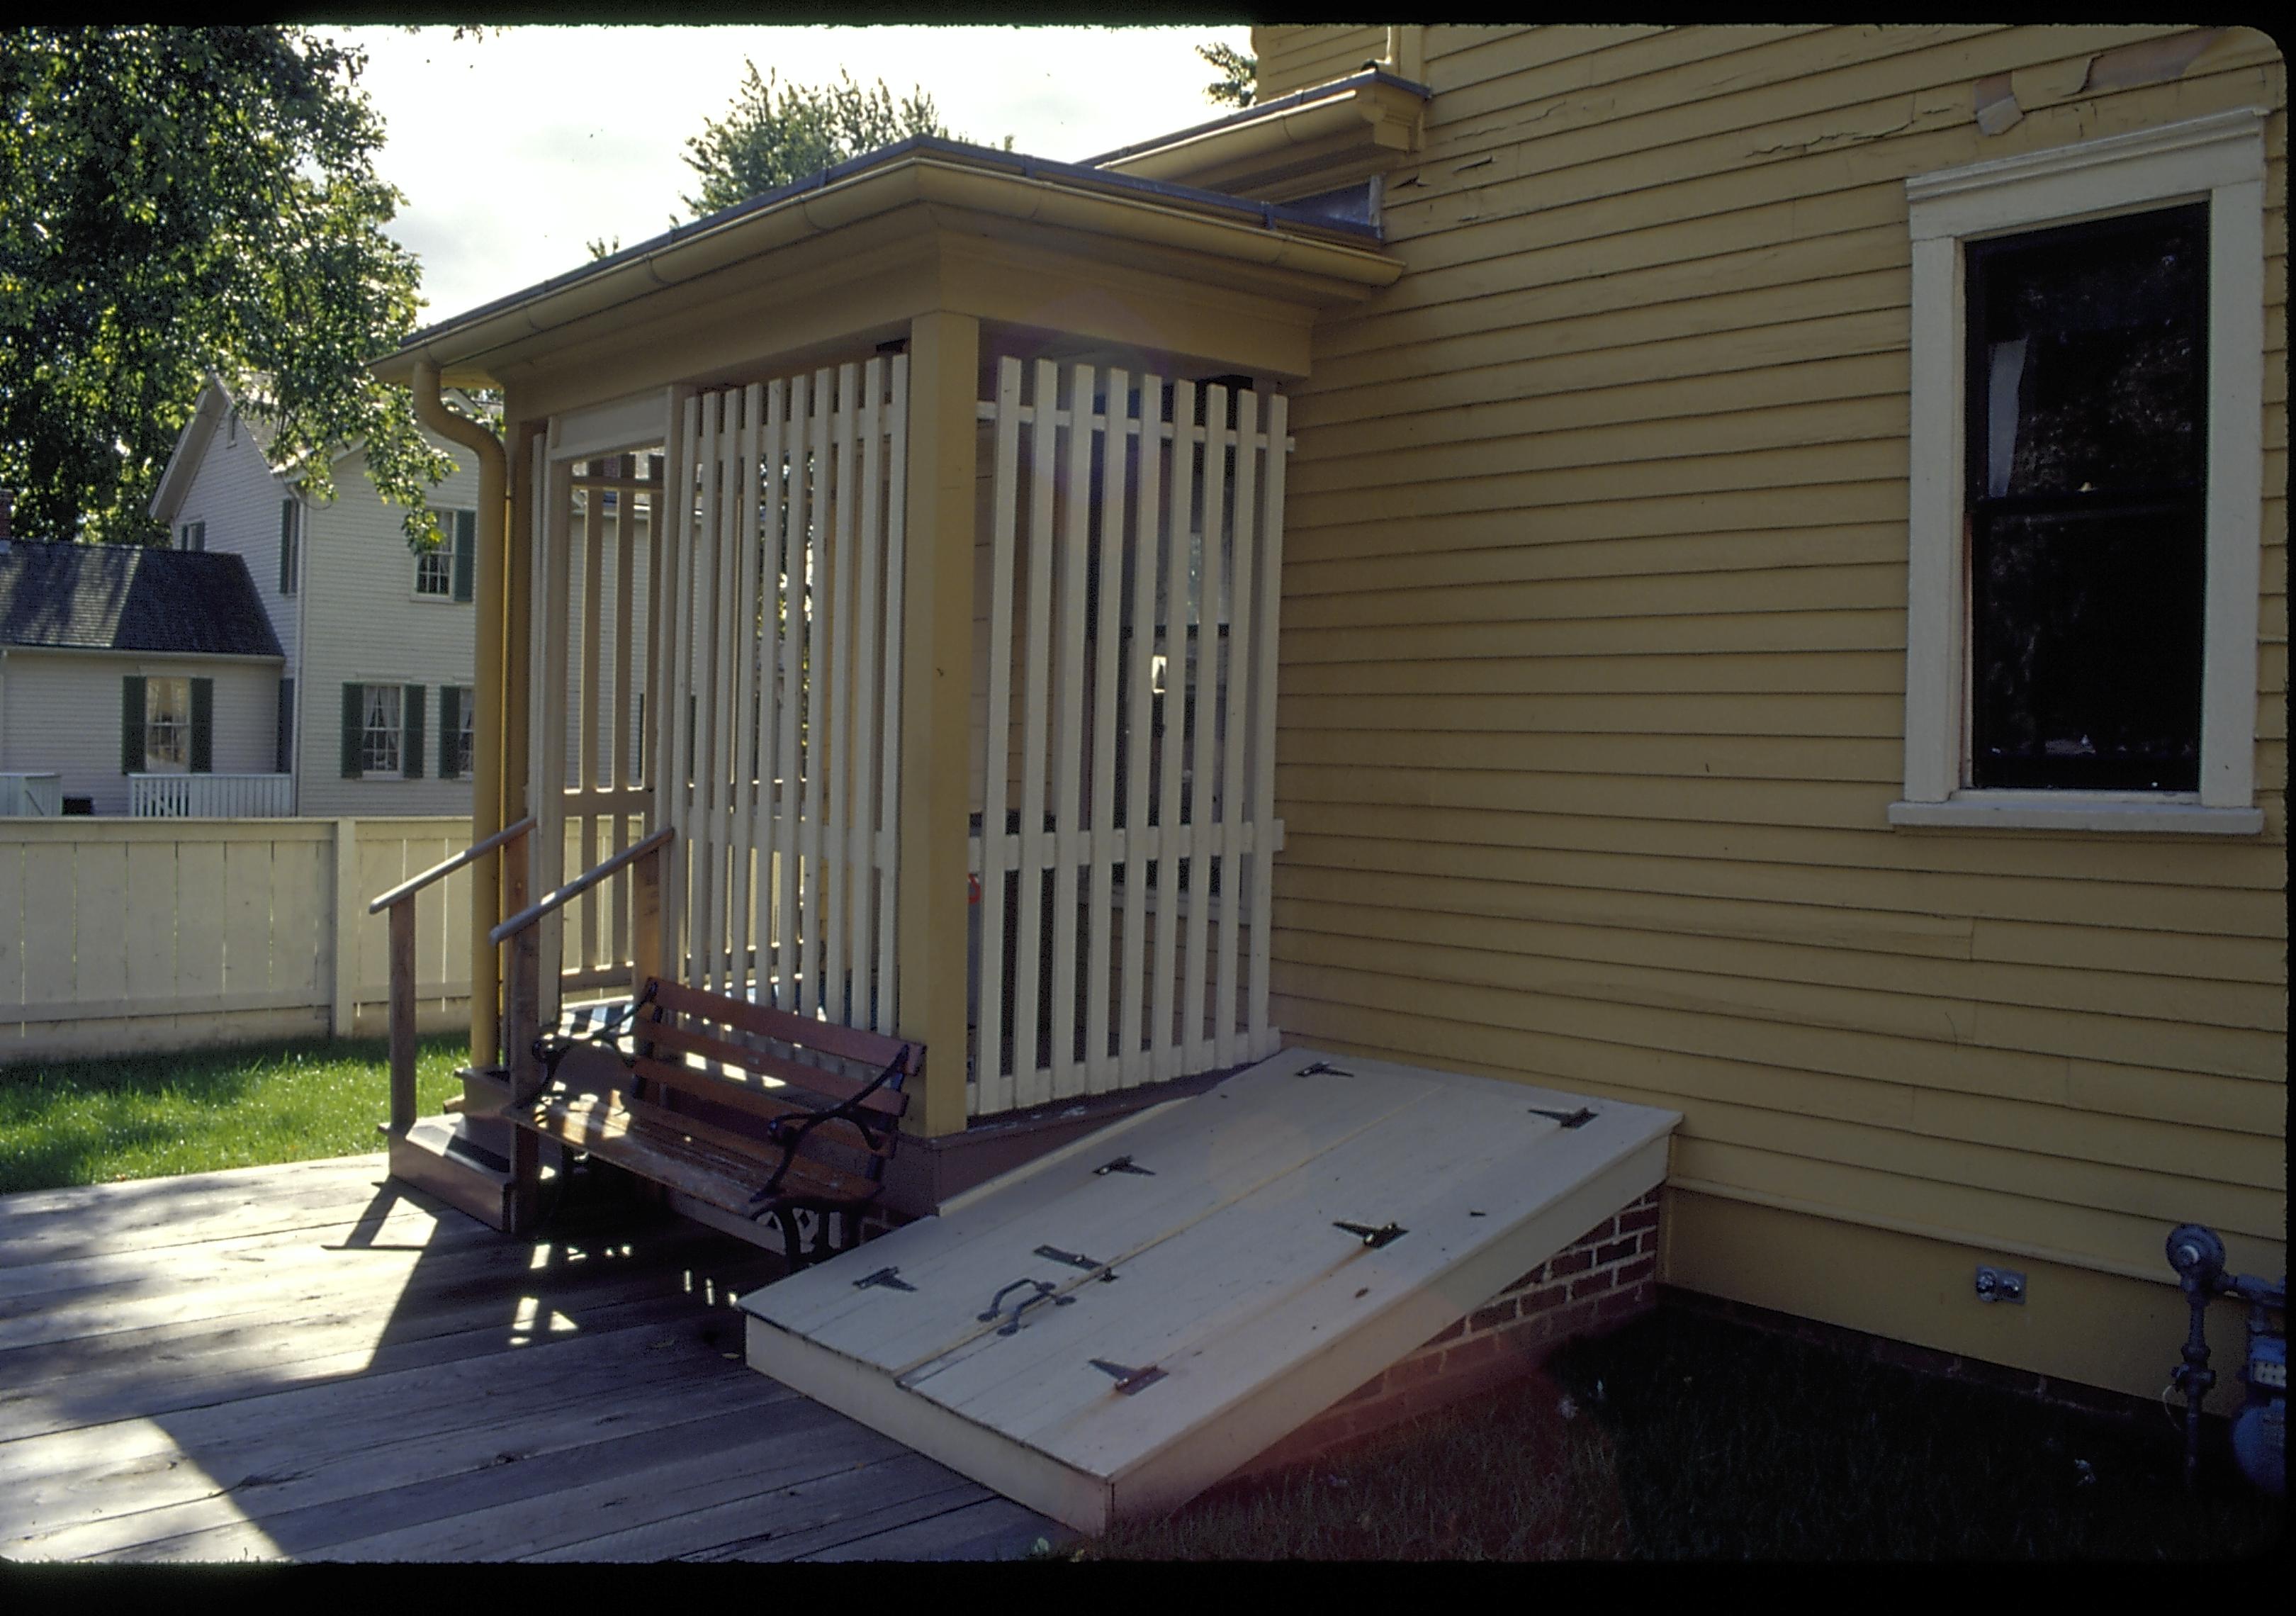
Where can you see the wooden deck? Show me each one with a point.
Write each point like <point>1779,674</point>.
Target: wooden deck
<point>309,1362</point>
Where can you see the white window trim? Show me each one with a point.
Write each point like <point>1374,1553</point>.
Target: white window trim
<point>2218,158</point>
<point>415,591</point>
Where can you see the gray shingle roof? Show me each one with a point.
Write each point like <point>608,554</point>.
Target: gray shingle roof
<point>115,597</point>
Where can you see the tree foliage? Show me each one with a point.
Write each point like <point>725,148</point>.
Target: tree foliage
<point>179,200</point>
<point>1239,75</point>
<point>776,134</point>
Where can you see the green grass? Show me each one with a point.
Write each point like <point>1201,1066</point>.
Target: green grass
<point>96,1121</point>
<point>1693,1438</point>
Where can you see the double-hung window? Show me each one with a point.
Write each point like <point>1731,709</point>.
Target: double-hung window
<point>448,572</point>
<point>382,732</point>
<point>166,725</point>
<point>2087,485</point>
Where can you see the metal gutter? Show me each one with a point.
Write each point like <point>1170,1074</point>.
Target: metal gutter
<point>1334,90</point>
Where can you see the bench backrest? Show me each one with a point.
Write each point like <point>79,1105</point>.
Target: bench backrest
<point>812,1065</point>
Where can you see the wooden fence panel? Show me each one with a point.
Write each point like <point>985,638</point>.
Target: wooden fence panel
<point>124,934</point>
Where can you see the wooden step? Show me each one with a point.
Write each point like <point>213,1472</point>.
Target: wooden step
<point>462,1161</point>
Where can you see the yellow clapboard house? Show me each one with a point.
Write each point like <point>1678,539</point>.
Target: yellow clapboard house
<point>1737,571</point>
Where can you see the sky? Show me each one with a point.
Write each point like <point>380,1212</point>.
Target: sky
<point>516,150</point>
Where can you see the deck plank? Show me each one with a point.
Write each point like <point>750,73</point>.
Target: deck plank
<point>990,1528</point>
<point>311,1363</point>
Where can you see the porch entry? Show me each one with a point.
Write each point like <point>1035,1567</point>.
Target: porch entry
<point>733,671</point>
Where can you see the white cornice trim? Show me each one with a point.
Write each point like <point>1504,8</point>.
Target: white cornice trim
<point>2115,172</point>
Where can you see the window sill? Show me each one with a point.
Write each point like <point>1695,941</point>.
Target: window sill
<point>2075,811</point>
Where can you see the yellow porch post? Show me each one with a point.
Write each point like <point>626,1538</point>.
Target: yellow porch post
<point>935,704</point>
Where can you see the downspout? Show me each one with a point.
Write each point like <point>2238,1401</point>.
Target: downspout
<point>486,727</point>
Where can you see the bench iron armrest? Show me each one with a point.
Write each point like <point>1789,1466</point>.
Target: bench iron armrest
<point>850,1112</point>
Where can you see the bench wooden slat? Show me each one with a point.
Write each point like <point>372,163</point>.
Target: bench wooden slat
<point>717,1157</point>
<point>813,1079</point>
<point>875,1050</point>
<point>838,1132</point>
<point>807,1175</point>
<point>585,1124</point>
<point>688,1155</point>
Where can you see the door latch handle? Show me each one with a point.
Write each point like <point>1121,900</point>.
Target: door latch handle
<point>1013,1325</point>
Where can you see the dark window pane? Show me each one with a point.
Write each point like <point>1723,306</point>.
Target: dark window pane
<point>2088,371</point>
<point>2086,645</point>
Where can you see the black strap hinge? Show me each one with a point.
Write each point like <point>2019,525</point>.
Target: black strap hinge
<point>1374,1238</point>
<point>1128,1379</point>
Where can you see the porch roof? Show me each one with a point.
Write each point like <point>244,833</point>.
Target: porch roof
<point>1324,260</point>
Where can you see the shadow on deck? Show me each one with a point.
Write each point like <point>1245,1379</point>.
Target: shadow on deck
<point>310,1362</point>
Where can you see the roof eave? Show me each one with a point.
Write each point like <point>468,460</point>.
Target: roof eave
<point>916,171</point>
<point>191,449</point>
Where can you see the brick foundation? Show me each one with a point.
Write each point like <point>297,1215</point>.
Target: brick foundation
<point>1591,1286</point>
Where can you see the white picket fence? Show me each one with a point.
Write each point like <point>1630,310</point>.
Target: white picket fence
<point>128,934</point>
<point>1136,550</point>
<point>210,796</point>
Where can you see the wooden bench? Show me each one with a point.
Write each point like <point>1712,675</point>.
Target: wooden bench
<point>753,1111</point>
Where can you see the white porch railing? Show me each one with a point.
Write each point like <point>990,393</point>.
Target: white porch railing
<point>1136,548</point>
<point>210,796</point>
<point>31,796</point>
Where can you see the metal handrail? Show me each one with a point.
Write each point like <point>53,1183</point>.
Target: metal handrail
<point>469,855</point>
<point>580,884</point>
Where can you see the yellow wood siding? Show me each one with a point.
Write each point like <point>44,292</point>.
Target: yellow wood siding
<point>1593,672</point>
<point>1293,58</point>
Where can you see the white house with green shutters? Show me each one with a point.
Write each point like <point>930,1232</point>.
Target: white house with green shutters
<point>371,716</point>
<point>132,676</point>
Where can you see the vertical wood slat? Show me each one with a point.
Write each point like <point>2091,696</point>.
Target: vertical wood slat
<point>626,684</point>
<point>741,664</point>
<point>1132,1066</point>
<point>1027,953</point>
<point>1165,1041</point>
<point>1234,706</point>
<point>896,468</point>
<point>712,617</point>
<point>552,587</point>
<point>673,520</point>
<point>995,1072</point>
<point>1100,1065</point>
<point>810,994</point>
<point>840,848</point>
<point>725,683</point>
<point>793,565</point>
<point>590,766</point>
<point>745,474</point>
<point>1264,1038</point>
<point>773,486</point>
<point>861,896</point>
<point>1196,1049</point>
<point>1068,749</point>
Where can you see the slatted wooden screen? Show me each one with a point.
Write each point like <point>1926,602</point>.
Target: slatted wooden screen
<point>1137,544</point>
<point>594,559</point>
<point>782,650</point>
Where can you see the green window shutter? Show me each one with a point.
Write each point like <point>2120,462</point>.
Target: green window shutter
<point>286,755</point>
<point>410,739</point>
<point>466,554</point>
<point>286,546</point>
<point>450,727</point>
<point>354,728</point>
<point>203,726</point>
<point>131,725</point>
